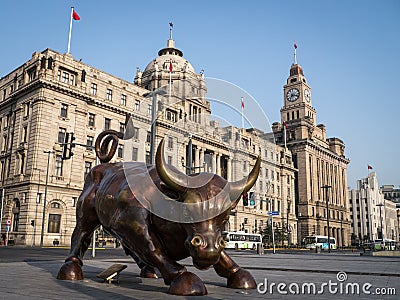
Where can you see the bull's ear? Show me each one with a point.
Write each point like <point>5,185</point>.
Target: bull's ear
<point>243,186</point>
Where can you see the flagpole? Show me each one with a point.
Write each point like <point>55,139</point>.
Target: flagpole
<point>170,80</point>
<point>295,47</point>
<point>242,113</point>
<point>70,30</point>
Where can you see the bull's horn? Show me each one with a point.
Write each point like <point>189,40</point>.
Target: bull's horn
<point>174,179</point>
<point>243,186</point>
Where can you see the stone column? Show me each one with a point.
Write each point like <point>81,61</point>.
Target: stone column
<point>196,160</point>
<point>218,159</point>
<point>201,158</point>
<point>214,163</point>
<point>228,169</point>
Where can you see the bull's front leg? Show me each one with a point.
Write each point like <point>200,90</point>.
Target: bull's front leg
<point>86,222</point>
<point>238,278</point>
<point>147,245</point>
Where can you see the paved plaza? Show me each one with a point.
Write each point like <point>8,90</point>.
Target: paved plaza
<point>34,277</point>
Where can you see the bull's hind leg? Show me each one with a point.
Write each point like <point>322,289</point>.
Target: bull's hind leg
<point>238,278</point>
<point>86,223</point>
<point>146,271</point>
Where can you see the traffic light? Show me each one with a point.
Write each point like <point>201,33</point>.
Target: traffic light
<point>68,145</point>
<point>245,197</point>
<point>252,200</point>
<point>32,222</point>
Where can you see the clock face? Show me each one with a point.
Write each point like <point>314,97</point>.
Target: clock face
<point>307,94</point>
<point>292,95</point>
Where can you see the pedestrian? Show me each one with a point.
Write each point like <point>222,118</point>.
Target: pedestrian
<point>3,239</point>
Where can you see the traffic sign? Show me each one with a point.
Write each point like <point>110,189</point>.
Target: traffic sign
<point>8,227</point>
<point>273,213</point>
<point>8,222</point>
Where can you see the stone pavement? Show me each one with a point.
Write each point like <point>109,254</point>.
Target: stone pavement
<point>36,279</point>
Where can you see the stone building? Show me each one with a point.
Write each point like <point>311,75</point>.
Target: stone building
<point>52,94</point>
<point>320,162</point>
<point>371,213</point>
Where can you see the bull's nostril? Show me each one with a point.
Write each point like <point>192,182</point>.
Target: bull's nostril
<point>221,243</point>
<point>197,241</point>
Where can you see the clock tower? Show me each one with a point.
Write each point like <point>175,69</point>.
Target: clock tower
<point>320,161</point>
<point>297,112</point>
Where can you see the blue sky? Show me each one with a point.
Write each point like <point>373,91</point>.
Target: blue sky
<point>349,51</point>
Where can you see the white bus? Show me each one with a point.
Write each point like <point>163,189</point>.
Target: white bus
<point>311,242</point>
<point>241,240</point>
<point>386,244</point>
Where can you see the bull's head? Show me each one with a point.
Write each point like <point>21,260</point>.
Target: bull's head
<point>212,192</point>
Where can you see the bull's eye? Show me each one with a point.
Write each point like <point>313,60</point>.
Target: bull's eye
<point>197,241</point>
<point>221,242</point>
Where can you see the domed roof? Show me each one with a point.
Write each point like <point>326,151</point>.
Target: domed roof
<point>162,62</point>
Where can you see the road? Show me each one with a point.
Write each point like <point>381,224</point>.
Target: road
<point>29,273</point>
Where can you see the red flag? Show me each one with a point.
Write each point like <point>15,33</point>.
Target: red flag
<point>369,167</point>
<point>75,16</point>
<point>284,124</point>
<point>295,45</point>
<point>170,66</point>
<point>242,103</point>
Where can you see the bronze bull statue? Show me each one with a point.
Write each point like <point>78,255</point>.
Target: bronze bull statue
<point>110,199</point>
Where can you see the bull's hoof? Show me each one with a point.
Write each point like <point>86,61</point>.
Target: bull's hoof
<point>148,272</point>
<point>70,271</point>
<point>241,279</point>
<point>187,284</point>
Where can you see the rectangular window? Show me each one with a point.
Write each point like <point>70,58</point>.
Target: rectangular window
<point>122,127</point>
<point>123,100</point>
<point>135,132</point>
<point>24,134</point>
<point>26,109</point>
<point>59,165</point>
<point>93,89</point>
<point>107,123</point>
<point>137,105</point>
<point>109,94</point>
<point>22,164</point>
<point>88,167</point>
<point>89,143</point>
<point>120,151</point>
<point>73,203</point>
<point>169,160</point>
<point>61,135</point>
<point>170,143</point>
<point>31,74</point>
<point>148,137</point>
<point>91,119</point>
<point>65,77</point>
<point>72,79</point>
<point>54,223</point>
<point>147,157</point>
<point>64,110</point>
<point>149,109</point>
<point>135,154</point>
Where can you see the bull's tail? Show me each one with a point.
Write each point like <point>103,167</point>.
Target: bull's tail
<point>101,146</point>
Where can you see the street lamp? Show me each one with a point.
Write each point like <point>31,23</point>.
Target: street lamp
<point>45,196</point>
<point>326,187</point>
<point>153,94</point>
<point>380,217</point>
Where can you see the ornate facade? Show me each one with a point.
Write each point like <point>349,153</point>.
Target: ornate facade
<point>320,162</point>
<point>53,94</point>
<point>372,215</point>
